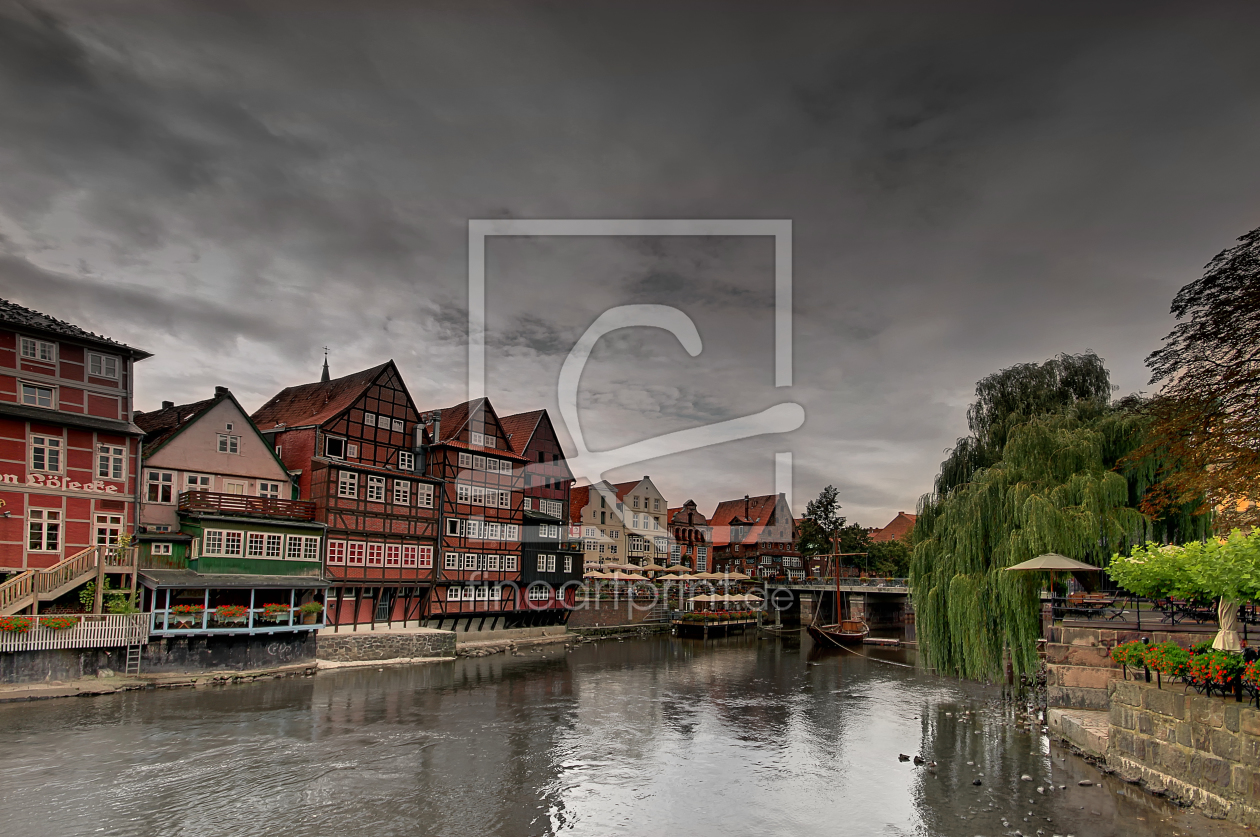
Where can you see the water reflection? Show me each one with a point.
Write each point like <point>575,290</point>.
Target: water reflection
<point>645,737</point>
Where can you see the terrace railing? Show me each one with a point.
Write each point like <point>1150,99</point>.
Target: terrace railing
<point>214,502</point>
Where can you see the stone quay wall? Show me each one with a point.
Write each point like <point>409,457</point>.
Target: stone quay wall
<point>385,645</point>
<point>1079,670</point>
<point>1199,751</point>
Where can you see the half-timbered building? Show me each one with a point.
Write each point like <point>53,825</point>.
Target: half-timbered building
<point>68,447</point>
<point>551,551</point>
<point>477,580</point>
<point>353,445</point>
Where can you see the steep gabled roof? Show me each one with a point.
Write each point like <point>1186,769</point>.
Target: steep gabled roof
<point>317,403</point>
<point>455,419</point>
<point>160,425</point>
<point>756,515</point>
<point>897,528</point>
<point>520,428</point>
<point>25,319</point>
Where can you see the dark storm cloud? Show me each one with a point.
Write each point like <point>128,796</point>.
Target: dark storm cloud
<point>234,185</point>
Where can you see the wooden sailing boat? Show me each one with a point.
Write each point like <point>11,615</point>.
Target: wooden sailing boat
<point>844,632</point>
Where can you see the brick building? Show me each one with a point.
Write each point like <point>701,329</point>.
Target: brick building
<point>692,537</point>
<point>352,443</point>
<point>69,452</point>
<point>756,536</point>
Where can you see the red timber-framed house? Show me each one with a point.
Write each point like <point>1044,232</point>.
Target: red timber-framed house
<point>69,452</point>
<point>756,536</point>
<point>477,580</point>
<point>551,551</point>
<point>691,533</point>
<point>352,443</point>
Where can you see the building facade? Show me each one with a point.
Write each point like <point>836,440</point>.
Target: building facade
<point>756,536</point>
<point>691,536</point>
<point>353,445</point>
<point>69,452</point>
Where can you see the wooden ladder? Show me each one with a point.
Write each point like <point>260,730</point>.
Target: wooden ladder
<point>133,660</point>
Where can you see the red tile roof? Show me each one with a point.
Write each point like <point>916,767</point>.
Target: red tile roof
<point>316,403</point>
<point>756,515</point>
<point>895,530</point>
<point>455,418</point>
<point>520,428</point>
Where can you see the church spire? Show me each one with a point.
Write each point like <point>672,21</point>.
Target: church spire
<point>323,378</point>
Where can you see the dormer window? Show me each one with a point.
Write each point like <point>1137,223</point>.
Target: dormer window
<point>334,448</point>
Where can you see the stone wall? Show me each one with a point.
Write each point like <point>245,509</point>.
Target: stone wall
<point>1079,669</point>
<point>1197,750</point>
<point>386,645</point>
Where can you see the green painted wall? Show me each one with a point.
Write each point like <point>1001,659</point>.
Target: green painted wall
<point>253,566</point>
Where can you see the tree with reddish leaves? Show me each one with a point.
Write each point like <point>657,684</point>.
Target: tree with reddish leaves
<point>1206,419</point>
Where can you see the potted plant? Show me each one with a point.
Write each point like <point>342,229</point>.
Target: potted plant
<point>15,624</point>
<point>231,614</point>
<point>188,615</point>
<point>275,612</point>
<point>310,612</point>
<point>58,623</point>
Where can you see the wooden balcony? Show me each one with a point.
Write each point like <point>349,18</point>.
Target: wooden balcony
<point>213,502</point>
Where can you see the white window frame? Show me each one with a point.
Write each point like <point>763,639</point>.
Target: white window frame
<point>160,548</point>
<point>470,561</point>
<point>198,482</point>
<point>255,545</point>
<point>369,419</point>
<point>406,460</point>
<point>393,555</point>
<point>463,493</point>
<point>375,554</point>
<point>329,454</point>
<point>49,448</point>
<point>568,563</point>
<point>229,443</point>
<point>356,553</point>
<point>33,400</point>
<point>352,450</point>
<point>153,479</point>
<point>348,485</point>
<point>37,350</point>
<point>510,563</point>
<point>454,527</point>
<point>425,557</point>
<point>398,426</point>
<point>47,522</point>
<point>274,546</point>
<point>337,552</point>
<point>111,462</point>
<point>103,362</point>
<point>270,489</point>
<point>511,531</point>
<point>402,493</point>
<point>465,459</point>
<point>451,561</point>
<point>375,489</point>
<point>424,495</point>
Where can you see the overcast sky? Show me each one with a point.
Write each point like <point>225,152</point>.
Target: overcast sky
<point>233,186</point>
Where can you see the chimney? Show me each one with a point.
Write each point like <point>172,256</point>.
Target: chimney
<point>220,391</point>
<point>745,507</point>
<point>166,405</point>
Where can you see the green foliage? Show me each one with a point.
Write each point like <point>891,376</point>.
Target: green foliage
<point>1199,571</point>
<point>1132,654</point>
<point>112,600</point>
<point>1168,658</point>
<point>890,558</point>
<point>820,524</point>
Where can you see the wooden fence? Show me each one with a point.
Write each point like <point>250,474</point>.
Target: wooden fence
<point>109,630</point>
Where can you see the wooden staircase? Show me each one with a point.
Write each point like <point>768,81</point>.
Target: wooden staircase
<point>45,585</point>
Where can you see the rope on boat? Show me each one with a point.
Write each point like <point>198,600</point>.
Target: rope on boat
<point>873,659</point>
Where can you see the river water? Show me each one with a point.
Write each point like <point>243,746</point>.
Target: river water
<point>644,737</point>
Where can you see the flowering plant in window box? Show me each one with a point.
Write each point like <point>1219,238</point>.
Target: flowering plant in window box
<point>186,615</point>
<point>59,623</point>
<point>231,613</point>
<point>15,624</point>
<point>275,612</point>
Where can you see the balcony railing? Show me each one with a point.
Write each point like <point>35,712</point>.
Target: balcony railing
<point>213,502</point>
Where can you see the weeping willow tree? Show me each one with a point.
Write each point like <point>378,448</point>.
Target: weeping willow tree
<point>1040,473</point>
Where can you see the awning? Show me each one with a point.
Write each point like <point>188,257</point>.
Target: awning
<point>1053,562</point>
<point>161,579</point>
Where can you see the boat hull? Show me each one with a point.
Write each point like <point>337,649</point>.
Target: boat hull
<point>848,632</point>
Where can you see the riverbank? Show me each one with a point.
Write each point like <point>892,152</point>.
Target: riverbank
<point>108,685</point>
